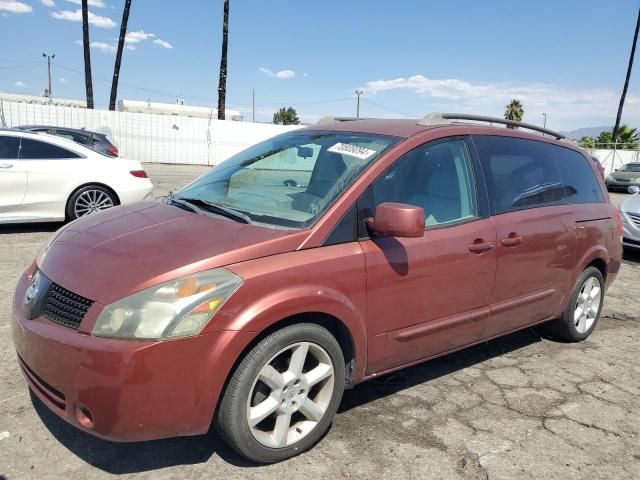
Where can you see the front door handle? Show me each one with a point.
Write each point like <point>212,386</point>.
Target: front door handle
<point>511,241</point>
<point>480,246</point>
<point>6,165</point>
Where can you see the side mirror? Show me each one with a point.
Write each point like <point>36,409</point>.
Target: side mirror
<point>633,189</point>
<point>397,220</point>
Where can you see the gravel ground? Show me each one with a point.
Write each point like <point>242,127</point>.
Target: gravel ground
<point>522,406</point>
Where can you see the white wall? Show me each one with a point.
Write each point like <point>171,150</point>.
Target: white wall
<point>612,159</point>
<point>150,137</point>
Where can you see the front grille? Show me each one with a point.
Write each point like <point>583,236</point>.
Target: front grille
<point>635,218</point>
<point>65,307</point>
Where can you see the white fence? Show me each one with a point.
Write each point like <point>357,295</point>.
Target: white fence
<point>613,159</point>
<point>150,137</point>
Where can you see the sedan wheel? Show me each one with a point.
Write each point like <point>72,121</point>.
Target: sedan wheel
<point>88,200</point>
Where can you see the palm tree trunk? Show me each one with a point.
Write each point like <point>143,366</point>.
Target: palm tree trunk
<point>626,82</point>
<point>87,54</point>
<point>222,85</point>
<point>116,69</point>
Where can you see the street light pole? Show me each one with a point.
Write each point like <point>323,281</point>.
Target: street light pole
<point>358,93</point>
<point>49,57</point>
<point>545,120</point>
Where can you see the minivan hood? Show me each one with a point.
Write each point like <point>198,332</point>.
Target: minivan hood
<point>112,254</point>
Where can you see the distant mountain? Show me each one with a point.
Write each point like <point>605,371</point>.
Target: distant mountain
<point>586,132</point>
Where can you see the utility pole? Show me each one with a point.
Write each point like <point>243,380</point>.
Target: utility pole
<point>253,106</point>
<point>626,82</point>
<point>358,93</point>
<point>544,125</point>
<point>49,57</point>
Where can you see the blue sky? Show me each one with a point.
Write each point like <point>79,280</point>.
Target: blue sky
<point>567,58</point>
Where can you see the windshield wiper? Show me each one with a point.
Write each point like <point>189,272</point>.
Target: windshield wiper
<point>215,208</point>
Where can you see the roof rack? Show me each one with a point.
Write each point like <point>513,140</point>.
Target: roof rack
<point>330,119</point>
<point>445,118</point>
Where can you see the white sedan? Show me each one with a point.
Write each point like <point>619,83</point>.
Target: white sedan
<point>44,178</point>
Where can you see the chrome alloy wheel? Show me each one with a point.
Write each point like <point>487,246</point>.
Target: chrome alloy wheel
<point>290,395</point>
<point>587,305</point>
<point>91,201</point>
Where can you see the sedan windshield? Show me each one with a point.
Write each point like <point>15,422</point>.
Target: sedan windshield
<point>631,167</point>
<point>289,180</point>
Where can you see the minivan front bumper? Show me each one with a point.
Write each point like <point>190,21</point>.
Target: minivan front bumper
<point>123,390</point>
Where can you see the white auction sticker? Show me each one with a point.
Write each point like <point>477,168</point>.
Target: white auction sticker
<point>352,150</point>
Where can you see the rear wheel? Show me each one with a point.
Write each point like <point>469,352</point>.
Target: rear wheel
<point>88,200</point>
<point>583,311</point>
<point>284,394</point>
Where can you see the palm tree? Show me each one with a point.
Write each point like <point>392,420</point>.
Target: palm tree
<point>627,137</point>
<point>514,111</point>
<point>116,69</point>
<point>222,85</point>
<point>87,54</point>
<point>626,81</point>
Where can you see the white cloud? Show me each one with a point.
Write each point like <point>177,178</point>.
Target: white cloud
<point>15,7</point>
<point>162,43</point>
<point>139,36</point>
<point>62,80</point>
<point>76,16</point>
<point>101,46</point>
<point>282,74</point>
<point>565,105</point>
<point>91,3</point>
<point>48,3</point>
<point>20,84</point>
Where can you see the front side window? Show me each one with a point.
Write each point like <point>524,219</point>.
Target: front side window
<point>36,150</point>
<point>9,147</point>
<point>519,173</point>
<point>436,177</point>
<point>289,180</point>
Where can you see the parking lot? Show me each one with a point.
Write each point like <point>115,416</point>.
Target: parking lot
<point>522,406</point>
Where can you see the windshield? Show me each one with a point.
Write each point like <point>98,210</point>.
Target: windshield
<point>631,167</point>
<point>289,180</point>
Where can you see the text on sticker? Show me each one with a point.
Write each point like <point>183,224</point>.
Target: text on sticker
<point>353,150</point>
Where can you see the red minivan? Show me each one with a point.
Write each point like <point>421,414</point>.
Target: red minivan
<point>307,264</point>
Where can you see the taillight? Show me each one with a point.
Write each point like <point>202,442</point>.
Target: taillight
<point>618,218</point>
<point>112,151</point>
<point>139,173</point>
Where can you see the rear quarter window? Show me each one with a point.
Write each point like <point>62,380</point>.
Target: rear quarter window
<point>9,147</point>
<point>36,150</point>
<point>580,180</point>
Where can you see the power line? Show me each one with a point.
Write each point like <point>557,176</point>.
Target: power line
<point>389,109</point>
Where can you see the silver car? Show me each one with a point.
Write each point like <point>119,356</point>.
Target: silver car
<point>630,210</point>
<point>625,177</point>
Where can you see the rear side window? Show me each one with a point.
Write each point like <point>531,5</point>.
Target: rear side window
<point>34,149</point>
<point>9,147</point>
<point>520,173</point>
<point>579,179</point>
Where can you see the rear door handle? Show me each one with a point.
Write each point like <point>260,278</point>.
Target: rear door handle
<point>479,246</point>
<point>511,241</point>
<point>6,165</point>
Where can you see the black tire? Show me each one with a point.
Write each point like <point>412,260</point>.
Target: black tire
<point>105,199</point>
<point>232,419</point>
<point>565,327</point>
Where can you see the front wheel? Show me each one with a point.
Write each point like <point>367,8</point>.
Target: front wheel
<point>284,394</point>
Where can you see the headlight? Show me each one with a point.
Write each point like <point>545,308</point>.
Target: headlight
<point>178,308</point>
